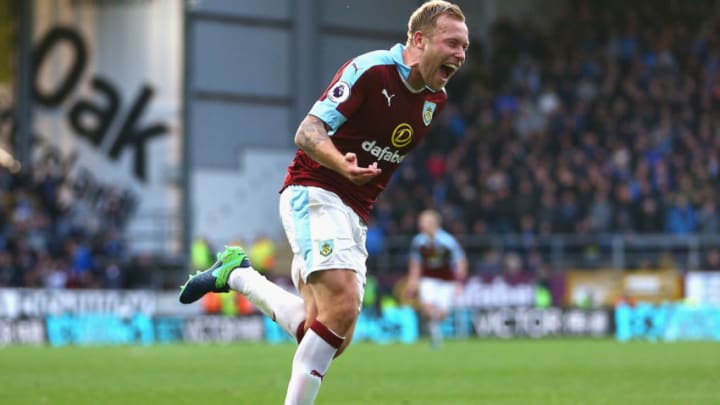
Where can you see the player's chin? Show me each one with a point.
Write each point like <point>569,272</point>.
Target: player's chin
<point>440,81</point>
<point>437,85</point>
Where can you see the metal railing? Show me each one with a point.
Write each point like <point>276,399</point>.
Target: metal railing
<point>570,251</point>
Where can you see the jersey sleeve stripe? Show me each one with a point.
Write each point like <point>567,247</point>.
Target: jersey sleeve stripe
<point>456,251</point>
<point>328,113</point>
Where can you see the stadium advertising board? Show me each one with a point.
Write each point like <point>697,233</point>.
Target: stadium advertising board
<point>91,329</point>
<point>402,324</point>
<point>399,324</point>
<point>106,84</point>
<point>24,331</point>
<point>528,322</point>
<point>87,317</point>
<point>703,288</point>
<point>604,288</point>
<point>99,328</point>
<point>652,286</point>
<point>496,292</point>
<point>667,322</point>
<point>223,329</point>
<point>38,303</point>
<point>392,325</point>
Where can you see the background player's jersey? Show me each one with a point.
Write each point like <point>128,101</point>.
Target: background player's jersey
<point>372,112</point>
<point>438,256</point>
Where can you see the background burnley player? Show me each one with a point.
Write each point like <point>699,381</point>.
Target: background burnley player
<point>436,270</point>
<point>377,108</point>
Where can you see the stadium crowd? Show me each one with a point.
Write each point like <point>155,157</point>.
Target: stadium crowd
<point>604,119</point>
<point>48,241</point>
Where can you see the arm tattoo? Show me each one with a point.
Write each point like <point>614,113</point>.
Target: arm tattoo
<point>310,134</point>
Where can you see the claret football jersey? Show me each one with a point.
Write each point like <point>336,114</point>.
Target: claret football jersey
<point>437,256</point>
<point>373,112</point>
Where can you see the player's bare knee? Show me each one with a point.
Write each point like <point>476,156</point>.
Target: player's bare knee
<point>337,298</point>
<point>344,313</point>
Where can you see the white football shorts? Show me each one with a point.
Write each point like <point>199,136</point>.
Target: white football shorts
<point>438,293</point>
<point>324,233</point>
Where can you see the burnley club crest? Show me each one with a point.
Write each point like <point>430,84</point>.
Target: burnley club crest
<point>428,111</point>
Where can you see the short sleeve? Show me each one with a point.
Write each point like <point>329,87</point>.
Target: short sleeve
<point>344,95</point>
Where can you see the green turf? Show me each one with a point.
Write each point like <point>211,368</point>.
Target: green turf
<point>472,372</point>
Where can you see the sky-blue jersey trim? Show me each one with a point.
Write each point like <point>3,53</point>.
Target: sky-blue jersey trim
<point>300,204</point>
<point>442,238</point>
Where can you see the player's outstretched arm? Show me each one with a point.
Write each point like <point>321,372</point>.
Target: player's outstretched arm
<point>312,137</point>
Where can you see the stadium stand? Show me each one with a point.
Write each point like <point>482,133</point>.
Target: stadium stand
<point>603,121</point>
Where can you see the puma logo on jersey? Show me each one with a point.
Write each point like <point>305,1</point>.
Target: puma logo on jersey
<point>387,96</point>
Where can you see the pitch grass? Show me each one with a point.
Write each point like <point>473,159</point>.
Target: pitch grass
<point>554,371</point>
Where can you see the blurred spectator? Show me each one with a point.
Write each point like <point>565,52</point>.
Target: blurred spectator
<point>600,211</point>
<point>375,238</point>
<point>536,264</point>
<point>711,260</point>
<point>513,265</point>
<point>262,254</point>
<point>10,274</point>
<point>112,274</point>
<point>681,218</point>
<point>81,263</point>
<point>490,264</point>
<point>202,255</point>
<point>55,273</point>
<point>648,217</point>
<point>708,220</point>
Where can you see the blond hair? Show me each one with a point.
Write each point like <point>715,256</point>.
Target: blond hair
<point>425,16</point>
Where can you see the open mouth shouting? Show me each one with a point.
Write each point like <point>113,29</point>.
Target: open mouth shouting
<point>447,70</point>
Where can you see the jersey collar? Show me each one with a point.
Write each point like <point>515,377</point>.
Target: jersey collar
<point>402,68</point>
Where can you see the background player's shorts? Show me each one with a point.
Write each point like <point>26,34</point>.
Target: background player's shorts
<point>439,293</point>
<point>323,232</point>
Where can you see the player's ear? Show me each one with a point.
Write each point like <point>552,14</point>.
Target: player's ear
<point>418,39</point>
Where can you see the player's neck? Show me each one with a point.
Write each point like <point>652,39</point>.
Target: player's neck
<point>412,59</point>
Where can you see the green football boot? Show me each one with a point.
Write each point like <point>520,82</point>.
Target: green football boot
<point>214,279</point>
